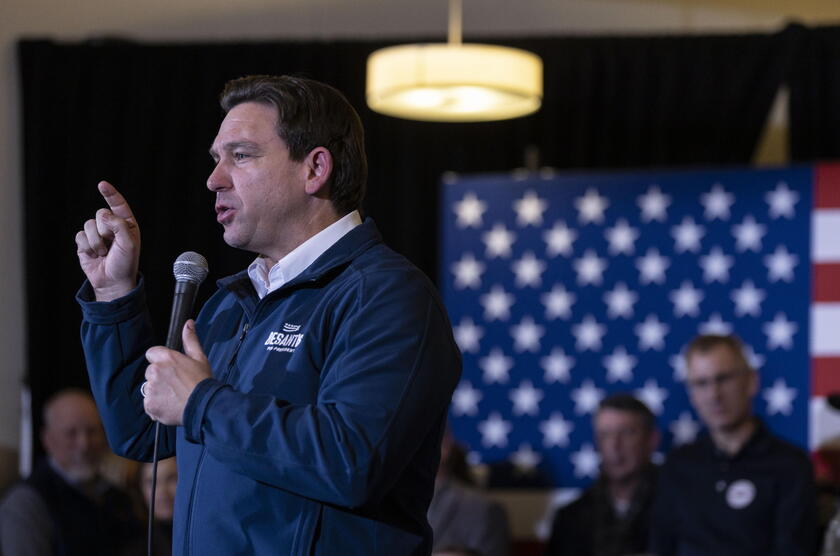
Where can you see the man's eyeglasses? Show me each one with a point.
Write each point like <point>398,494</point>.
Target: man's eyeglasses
<point>719,380</point>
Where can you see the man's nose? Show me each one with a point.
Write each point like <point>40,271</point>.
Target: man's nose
<point>84,441</point>
<point>609,445</point>
<point>218,178</point>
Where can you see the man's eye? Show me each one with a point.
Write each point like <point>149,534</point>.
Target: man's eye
<point>240,156</point>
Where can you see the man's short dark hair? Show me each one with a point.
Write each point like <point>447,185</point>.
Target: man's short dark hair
<point>311,114</point>
<point>627,402</point>
<point>707,342</point>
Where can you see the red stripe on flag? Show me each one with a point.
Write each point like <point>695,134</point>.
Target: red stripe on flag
<point>826,282</point>
<point>825,376</point>
<point>827,186</point>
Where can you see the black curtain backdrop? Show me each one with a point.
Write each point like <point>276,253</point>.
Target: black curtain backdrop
<point>815,94</point>
<point>144,115</point>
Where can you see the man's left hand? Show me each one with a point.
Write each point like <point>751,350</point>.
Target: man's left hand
<point>172,376</point>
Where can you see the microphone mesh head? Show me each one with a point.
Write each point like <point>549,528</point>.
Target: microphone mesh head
<point>190,267</point>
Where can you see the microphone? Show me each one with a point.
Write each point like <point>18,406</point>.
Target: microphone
<point>190,270</point>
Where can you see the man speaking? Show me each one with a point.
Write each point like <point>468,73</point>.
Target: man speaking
<point>325,443</point>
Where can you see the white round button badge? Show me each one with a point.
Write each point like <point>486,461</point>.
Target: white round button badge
<point>740,494</point>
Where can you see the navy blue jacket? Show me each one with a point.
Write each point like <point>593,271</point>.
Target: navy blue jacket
<point>319,432</point>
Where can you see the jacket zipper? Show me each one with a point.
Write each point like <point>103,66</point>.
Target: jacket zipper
<point>223,379</point>
<point>239,343</point>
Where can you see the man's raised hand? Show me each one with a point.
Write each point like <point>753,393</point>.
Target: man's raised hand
<point>109,247</point>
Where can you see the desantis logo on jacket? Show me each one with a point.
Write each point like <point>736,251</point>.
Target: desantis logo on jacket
<point>287,340</point>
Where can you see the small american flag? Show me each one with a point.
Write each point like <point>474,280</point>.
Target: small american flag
<point>565,288</point>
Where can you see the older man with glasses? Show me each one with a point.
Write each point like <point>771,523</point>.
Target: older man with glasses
<point>738,489</point>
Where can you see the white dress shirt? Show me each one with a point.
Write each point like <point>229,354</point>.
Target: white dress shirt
<point>266,280</point>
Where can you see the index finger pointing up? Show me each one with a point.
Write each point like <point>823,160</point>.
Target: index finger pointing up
<point>116,202</point>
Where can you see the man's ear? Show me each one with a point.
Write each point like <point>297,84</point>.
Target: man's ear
<point>319,167</point>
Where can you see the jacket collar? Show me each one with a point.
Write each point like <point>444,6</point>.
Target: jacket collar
<point>340,254</point>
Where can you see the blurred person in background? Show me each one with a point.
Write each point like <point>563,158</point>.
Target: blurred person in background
<point>65,506</point>
<point>167,481</point>
<point>463,519</point>
<point>612,517</point>
<point>738,489</point>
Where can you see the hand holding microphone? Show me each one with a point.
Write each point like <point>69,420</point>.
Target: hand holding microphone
<point>171,375</point>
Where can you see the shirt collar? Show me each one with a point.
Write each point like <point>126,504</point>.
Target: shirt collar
<point>266,280</point>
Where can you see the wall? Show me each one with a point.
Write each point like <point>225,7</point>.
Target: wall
<point>254,19</point>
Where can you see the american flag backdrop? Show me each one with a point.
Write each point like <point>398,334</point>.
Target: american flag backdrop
<point>565,288</point>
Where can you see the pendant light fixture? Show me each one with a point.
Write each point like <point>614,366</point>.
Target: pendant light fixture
<point>452,81</point>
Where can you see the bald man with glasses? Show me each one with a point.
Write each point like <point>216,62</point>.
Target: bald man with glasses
<point>738,489</point>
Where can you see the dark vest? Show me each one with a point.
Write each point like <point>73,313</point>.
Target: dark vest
<point>84,526</point>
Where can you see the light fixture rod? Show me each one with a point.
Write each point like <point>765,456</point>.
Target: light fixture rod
<point>455,26</point>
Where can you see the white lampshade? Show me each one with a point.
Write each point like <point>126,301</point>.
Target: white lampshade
<point>454,82</point>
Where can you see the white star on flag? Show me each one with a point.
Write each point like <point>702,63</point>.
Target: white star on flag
<point>499,241</point>
<point>469,211</point>
<point>465,399</point>
<point>588,334</point>
<point>622,238</point>
<point>526,399</point>
<point>782,201</point>
<point>780,332</point>
<point>748,235</point>
<point>557,366</point>
<point>497,303</point>
<point>559,240</point>
<point>525,459</point>
<point>716,266</point>
<point>591,207</point>
<point>651,333</point>
<point>684,429</point>
<point>716,325</point>
<point>687,236</point>
<point>494,431</point>
<point>619,365</point>
<point>652,267</point>
<point>529,209</point>
<point>556,430</point>
<point>755,360</point>
<point>590,268</point>
<point>780,265</point>
<point>779,398</point>
<point>468,335</point>
<point>677,362</point>
<point>587,397</point>
<point>620,301</point>
<point>653,396</point>
<point>558,303</point>
<point>586,461</point>
<point>526,335</point>
<point>467,272</point>
<point>748,299</point>
<point>717,203</point>
<point>686,300</point>
<point>654,204</point>
<point>496,366</point>
<point>528,270</point>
